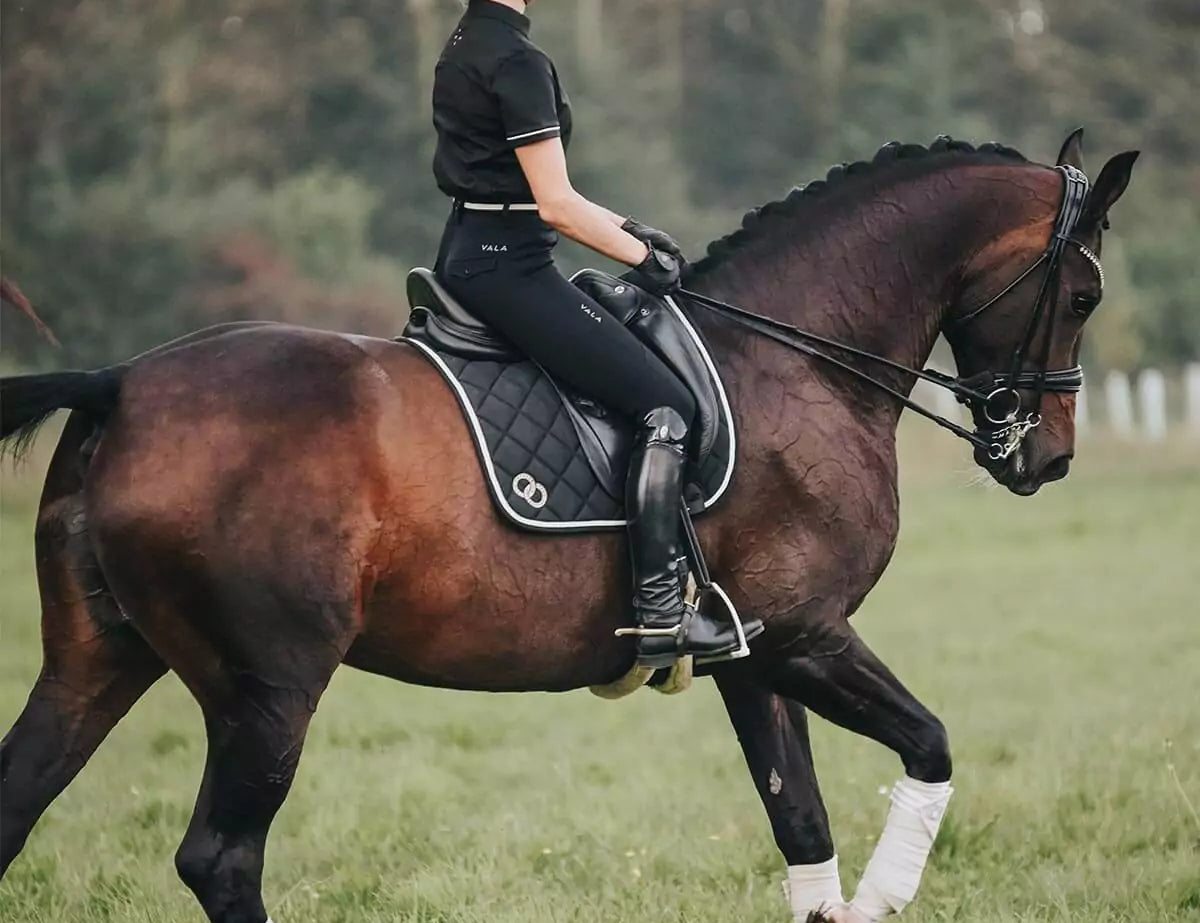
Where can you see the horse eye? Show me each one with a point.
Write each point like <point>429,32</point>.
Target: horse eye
<point>1083,305</point>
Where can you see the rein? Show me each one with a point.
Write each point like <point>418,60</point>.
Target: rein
<point>995,394</point>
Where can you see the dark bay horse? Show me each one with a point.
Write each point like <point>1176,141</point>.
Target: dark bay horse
<point>256,504</point>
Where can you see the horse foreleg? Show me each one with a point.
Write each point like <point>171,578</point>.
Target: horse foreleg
<point>94,667</point>
<point>843,681</point>
<point>773,732</point>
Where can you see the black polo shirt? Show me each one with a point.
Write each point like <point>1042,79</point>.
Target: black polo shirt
<point>493,91</point>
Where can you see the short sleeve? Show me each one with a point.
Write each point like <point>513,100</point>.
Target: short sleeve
<point>527,90</point>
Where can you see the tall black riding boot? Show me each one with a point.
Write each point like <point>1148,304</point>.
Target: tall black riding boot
<point>667,628</point>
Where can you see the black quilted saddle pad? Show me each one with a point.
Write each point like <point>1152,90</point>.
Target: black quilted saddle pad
<point>534,461</point>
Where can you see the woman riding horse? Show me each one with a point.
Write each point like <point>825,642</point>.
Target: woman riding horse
<point>255,505</point>
<point>503,123</point>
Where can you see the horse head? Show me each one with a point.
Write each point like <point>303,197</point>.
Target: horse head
<point>1028,296</point>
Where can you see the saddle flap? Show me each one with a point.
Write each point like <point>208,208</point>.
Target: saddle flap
<point>605,440</point>
<point>553,460</point>
<point>657,323</point>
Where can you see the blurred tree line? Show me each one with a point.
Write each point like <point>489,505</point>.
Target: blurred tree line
<point>172,163</point>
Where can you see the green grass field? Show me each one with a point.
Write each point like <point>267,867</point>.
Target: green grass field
<point>1058,638</point>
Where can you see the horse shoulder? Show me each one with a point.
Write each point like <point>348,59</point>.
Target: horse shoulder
<point>814,516</point>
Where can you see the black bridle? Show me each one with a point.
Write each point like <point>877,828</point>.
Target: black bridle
<point>995,395</point>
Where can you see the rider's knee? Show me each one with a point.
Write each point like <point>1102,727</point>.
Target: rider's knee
<point>665,424</point>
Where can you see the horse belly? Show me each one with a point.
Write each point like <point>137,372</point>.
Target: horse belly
<point>497,610</point>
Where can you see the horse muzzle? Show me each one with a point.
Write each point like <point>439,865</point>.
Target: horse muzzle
<point>1026,469</point>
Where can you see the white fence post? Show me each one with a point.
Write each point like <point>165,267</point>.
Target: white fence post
<point>1152,396</point>
<point>1081,412</point>
<point>1120,403</point>
<point>947,405</point>
<point>1191,388</point>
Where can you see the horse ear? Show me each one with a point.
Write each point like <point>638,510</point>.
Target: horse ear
<point>1071,151</point>
<point>1109,185</point>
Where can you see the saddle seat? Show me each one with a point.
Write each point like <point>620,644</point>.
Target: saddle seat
<point>449,326</point>
<point>554,459</point>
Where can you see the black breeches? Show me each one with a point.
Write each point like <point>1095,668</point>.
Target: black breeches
<point>499,265</point>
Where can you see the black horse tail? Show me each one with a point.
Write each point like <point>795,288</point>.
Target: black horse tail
<point>27,401</point>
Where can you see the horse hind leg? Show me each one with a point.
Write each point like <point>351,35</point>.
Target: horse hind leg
<point>257,656</point>
<point>95,666</point>
<point>267,660</point>
<point>254,749</point>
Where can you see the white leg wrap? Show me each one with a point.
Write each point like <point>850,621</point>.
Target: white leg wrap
<point>890,882</point>
<point>813,887</point>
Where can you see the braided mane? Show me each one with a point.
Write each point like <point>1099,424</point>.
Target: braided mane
<point>801,197</point>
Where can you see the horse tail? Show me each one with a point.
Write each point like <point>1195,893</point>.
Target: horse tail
<point>27,401</point>
<point>10,294</point>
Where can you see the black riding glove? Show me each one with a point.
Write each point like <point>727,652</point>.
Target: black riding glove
<point>658,273</point>
<point>659,240</point>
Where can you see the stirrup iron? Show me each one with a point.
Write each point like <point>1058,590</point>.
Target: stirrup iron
<point>692,601</point>
<point>743,648</point>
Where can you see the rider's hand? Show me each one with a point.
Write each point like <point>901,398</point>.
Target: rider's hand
<point>658,273</point>
<point>659,240</point>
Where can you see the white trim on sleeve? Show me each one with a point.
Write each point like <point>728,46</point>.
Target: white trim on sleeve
<point>530,134</point>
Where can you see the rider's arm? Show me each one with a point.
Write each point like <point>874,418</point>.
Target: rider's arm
<point>527,90</point>
<point>560,206</point>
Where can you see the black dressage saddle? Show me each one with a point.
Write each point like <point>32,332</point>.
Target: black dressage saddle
<point>553,459</point>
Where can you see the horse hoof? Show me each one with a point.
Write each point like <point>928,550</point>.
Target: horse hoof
<point>842,913</point>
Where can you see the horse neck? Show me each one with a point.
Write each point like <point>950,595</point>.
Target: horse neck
<point>879,276</point>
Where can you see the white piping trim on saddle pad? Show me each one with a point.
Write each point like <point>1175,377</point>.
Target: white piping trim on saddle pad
<point>725,408</point>
<point>722,396</point>
<point>484,450</point>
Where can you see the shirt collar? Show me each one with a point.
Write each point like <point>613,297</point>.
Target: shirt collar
<point>490,10</point>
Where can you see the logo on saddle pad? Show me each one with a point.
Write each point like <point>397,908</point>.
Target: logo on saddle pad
<point>590,313</point>
<point>529,490</point>
<point>494,248</point>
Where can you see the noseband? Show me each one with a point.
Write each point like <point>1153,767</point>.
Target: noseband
<point>994,395</point>
<point>1002,406</point>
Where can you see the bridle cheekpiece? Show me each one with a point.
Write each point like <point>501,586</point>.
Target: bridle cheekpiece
<point>1001,405</point>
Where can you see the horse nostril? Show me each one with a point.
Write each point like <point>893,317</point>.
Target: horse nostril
<point>1057,468</point>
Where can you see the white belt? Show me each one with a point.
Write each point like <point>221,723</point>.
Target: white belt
<point>499,207</point>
